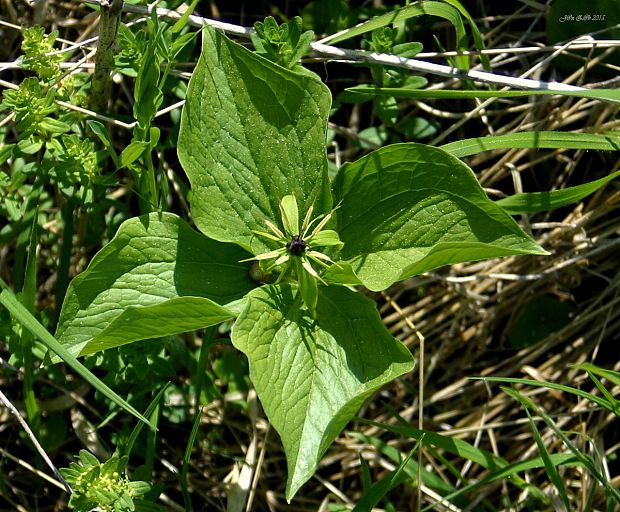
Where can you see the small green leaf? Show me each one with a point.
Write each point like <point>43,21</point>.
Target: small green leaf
<point>326,238</point>
<point>408,208</point>
<point>54,126</point>
<point>407,50</point>
<point>307,286</point>
<point>6,152</point>
<point>251,133</point>
<point>157,276</point>
<point>290,214</point>
<point>29,146</point>
<point>313,375</point>
<point>182,21</point>
<point>132,152</point>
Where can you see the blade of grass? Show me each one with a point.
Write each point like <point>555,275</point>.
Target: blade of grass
<point>531,202</point>
<point>551,469</point>
<point>22,315</point>
<point>510,471</point>
<point>379,489</point>
<point>551,385</point>
<point>612,95</point>
<point>478,41</point>
<point>583,458</point>
<point>138,428</point>
<point>606,393</point>
<point>610,375</point>
<point>452,445</point>
<point>411,468</point>
<point>534,140</point>
<point>182,21</point>
<point>398,15</point>
<point>366,478</point>
<point>186,459</point>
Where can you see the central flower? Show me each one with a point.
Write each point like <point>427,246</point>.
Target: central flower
<point>297,252</point>
<point>296,246</point>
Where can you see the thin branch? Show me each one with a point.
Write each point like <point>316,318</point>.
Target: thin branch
<point>108,27</point>
<point>341,54</point>
<point>6,402</point>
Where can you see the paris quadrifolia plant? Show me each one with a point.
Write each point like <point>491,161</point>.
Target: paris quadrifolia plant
<point>283,251</point>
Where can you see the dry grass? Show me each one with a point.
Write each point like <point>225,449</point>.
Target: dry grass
<point>465,313</point>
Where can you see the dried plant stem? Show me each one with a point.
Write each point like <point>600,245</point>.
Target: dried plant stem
<point>6,402</point>
<point>108,27</point>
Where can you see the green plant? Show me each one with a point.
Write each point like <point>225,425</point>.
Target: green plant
<point>591,463</point>
<point>39,53</point>
<point>284,44</point>
<point>102,485</point>
<point>252,143</point>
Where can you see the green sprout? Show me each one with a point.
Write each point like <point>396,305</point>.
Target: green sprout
<point>298,247</point>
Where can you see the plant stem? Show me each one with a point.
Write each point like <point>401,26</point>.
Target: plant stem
<point>62,274</point>
<point>28,299</point>
<point>108,27</point>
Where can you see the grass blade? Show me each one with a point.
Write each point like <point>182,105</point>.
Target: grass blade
<point>584,459</point>
<point>532,202</point>
<point>552,385</point>
<point>379,489</point>
<point>534,140</point>
<point>22,315</point>
<point>552,471</point>
<point>612,95</point>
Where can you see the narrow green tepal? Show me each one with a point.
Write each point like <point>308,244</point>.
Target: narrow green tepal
<point>252,132</point>
<point>156,277</point>
<point>408,208</point>
<point>312,375</point>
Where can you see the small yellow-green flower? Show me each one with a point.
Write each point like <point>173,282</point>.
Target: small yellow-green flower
<point>298,247</point>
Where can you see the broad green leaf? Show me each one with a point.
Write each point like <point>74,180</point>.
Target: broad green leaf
<point>156,277</point>
<point>408,208</point>
<point>612,95</point>
<point>175,315</point>
<point>313,375</point>
<point>251,133</point>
